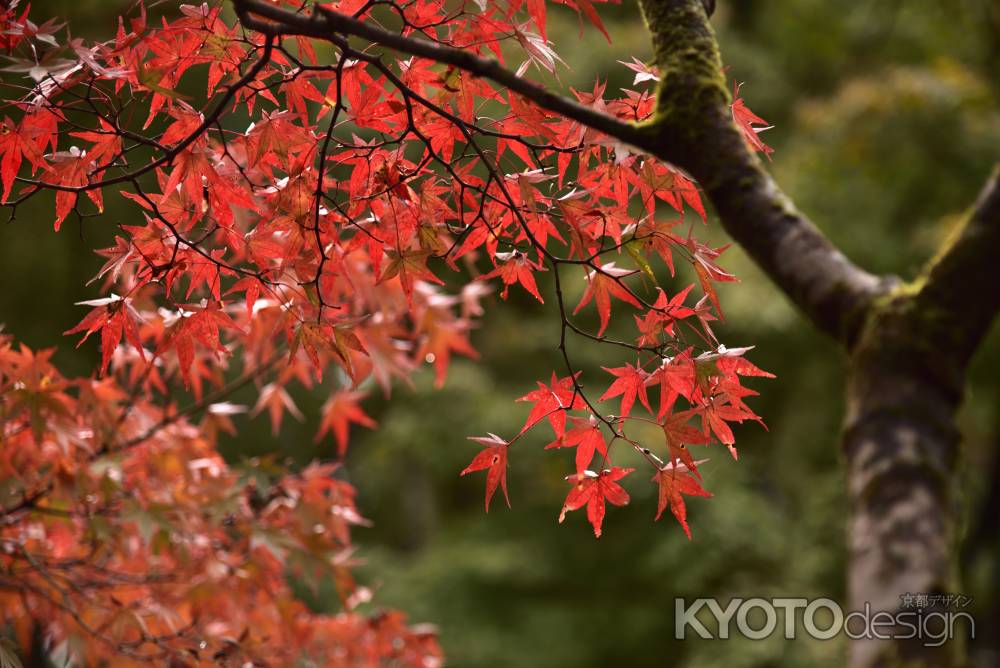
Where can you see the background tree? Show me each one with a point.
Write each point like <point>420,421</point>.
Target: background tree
<point>775,269</point>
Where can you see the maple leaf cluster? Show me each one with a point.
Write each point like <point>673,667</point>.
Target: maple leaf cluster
<point>708,384</point>
<point>133,540</point>
<point>330,220</point>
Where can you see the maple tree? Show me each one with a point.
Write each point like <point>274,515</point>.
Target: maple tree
<point>350,184</point>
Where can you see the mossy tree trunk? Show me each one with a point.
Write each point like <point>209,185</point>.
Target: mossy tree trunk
<point>908,345</point>
<point>900,444</point>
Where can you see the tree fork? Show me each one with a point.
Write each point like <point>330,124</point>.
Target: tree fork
<point>901,443</point>
<point>910,345</point>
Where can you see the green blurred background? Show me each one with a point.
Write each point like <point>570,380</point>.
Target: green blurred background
<point>887,123</point>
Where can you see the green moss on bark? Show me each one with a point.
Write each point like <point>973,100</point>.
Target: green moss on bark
<point>685,49</point>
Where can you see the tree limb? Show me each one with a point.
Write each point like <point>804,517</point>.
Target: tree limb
<point>959,290</point>
<point>693,128</point>
<point>329,25</point>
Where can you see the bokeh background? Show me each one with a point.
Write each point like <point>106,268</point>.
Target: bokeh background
<point>887,118</point>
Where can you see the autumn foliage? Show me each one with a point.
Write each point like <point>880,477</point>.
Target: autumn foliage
<point>319,210</point>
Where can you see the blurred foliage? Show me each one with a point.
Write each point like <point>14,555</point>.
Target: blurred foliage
<point>887,121</point>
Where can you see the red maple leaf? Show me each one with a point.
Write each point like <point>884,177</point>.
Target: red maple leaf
<point>106,143</point>
<point>717,411</point>
<point>708,271</point>
<point>71,169</point>
<point>536,9</point>
<point>409,266</point>
<point>442,336</point>
<point>746,120</point>
<point>679,434</point>
<point>339,411</point>
<point>275,398</point>
<point>586,8</point>
<point>731,361</point>
<point>113,316</point>
<point>643,72</point>
<point>586,436</point>
<point>676,377</point>
<point>630,382</point>
<point>515,268</point>
<point>660,319</point>
<point>196,324</point>
<point>494,460</point>
<point>552,401</point>
<point>673,482</point>
<point>186,121</point>
<point>603,283</point>
<point>25,139</point>
<point>593,489</point>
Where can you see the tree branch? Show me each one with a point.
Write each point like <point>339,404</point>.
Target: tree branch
<point>693,128</point>
<point>959,289</point>
<point>329,25</point>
